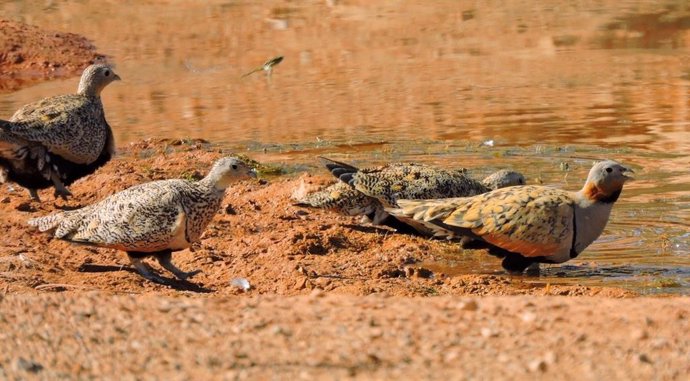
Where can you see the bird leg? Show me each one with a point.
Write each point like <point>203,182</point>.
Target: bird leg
<point>164,258</point>
<point>516,264</point>
<point>60,189</point>
<point>144,270</point>
<point>533,269</point>
<point>34,195</point>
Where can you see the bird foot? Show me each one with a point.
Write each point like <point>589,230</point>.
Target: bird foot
<point>146,271</point>
<point>182,275</point>
<point>154,278</point>
<point>466,242</point>
<point>62,193</point>
<point>164,259</point>
<point>533,269</point>
<point>60,189</point>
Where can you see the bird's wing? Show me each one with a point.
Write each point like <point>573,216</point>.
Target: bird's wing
<point>529,220</point>
<point>413,181</point>
<point>146,217</point>
<point>340,197</point>
<point>58,123</point>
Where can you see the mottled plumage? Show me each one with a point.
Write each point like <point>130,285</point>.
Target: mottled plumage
<point>154,218</point>
<point>526,224</point>
<point>57,140</point>
<point>367,191</point>
<point>343,198</point>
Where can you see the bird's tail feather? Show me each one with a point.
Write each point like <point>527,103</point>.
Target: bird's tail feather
<point>430,216</point>
<point>342,171</point>
<point>47,223</point>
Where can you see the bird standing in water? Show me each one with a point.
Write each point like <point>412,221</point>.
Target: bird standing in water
<point>526,224</point>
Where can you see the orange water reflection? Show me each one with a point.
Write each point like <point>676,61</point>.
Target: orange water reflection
<point>514,71</point>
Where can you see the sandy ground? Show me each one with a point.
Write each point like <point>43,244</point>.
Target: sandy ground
<point>90,334</point>
<point>29,54</point>
<point>330,298</point>
<point>258,235</point>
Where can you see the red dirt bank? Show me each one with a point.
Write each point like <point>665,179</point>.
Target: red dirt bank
<point>29,54</point>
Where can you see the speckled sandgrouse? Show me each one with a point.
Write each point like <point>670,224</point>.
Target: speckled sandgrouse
<point>367,191</point>
<point>151,219</point>
<point>57,140</point>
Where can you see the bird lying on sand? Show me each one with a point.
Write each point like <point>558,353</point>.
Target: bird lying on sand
<point>57,140</point>
<point>150,219</point>
<point>368,191</point>
<point>526,224</point>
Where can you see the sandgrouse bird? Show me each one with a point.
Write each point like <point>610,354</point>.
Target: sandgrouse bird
<point>150,219</point>
<point>367,191</point>
<point>526,224</point>
<point>57,140</point>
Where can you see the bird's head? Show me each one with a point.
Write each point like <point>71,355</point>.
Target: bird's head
<point>605,181</point>
<point>503,178</point>
<point>95,78</point>
<point>227,170</point>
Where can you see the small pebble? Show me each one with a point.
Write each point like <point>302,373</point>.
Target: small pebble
<point>488,332</point>
<point>639,334</point>
<point>528,317</point>
<point>643,358</point>
<point>550,357</point>
<point>469,305</point>
<point>28,365</point>
<point>538,365</point>
<point>241,283</point>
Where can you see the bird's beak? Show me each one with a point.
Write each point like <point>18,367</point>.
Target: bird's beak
<point>627,172</point>
<point>252,173</point>
<point>117,78</point>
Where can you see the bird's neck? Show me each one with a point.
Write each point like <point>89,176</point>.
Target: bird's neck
<point>88,90</point>
<point>595,194</point>
<point>215,182</point>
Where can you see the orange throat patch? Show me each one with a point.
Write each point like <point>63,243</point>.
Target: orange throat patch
<point>592,192</point>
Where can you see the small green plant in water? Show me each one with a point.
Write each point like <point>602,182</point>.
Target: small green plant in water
<point>261,168</point>
<point>664,283</point>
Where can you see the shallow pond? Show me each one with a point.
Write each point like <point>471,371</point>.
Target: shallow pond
<point>542,87</point>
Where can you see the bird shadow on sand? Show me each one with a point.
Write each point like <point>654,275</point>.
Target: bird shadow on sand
<point>176,284</point>
<point>368,229</point>
<point>67,208</point>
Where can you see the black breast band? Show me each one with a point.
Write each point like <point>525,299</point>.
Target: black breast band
<point>573,252</point>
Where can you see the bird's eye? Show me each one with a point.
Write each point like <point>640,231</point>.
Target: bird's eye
<point>609,170</point>
<point>234,166</point>
<point>107,73</point>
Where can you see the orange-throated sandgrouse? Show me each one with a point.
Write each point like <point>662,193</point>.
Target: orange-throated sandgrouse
<point>526,224</point>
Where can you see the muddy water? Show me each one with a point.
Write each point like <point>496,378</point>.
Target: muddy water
<point>547,87</point>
